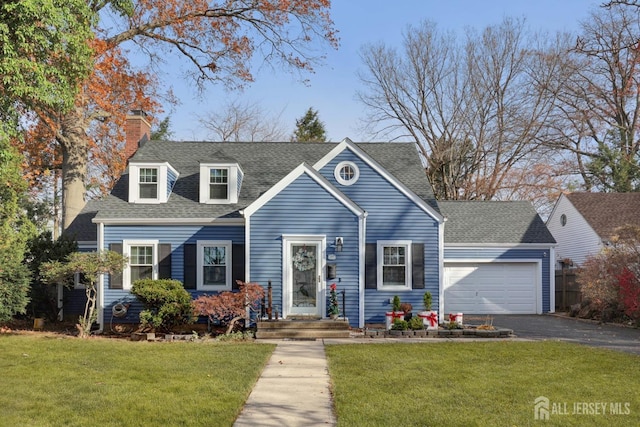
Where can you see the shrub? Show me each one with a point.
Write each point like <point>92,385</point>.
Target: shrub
<point>427,299</point>
<point>597,283</point>
<point>610,280</point>
<point>229,307</point>
<point>630,294</point>
<point>416,323</point>
<point>14,289</point>
<point>400,325</point>
<point>166,304</point>
<point>395,303</point>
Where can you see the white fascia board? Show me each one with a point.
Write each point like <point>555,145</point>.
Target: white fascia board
<point>348,144</point>
<point>169,221</point>
<point>303,168</point>
<point>555,206</point>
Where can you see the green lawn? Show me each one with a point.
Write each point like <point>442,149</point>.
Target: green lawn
<point>482,384</point>
<point>101,382</point>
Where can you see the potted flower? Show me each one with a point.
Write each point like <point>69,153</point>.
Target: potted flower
<point>429,316</point>
<point>391,316</point>
<point>334,311</point>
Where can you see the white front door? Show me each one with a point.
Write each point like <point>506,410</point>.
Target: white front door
<point>304,290</point>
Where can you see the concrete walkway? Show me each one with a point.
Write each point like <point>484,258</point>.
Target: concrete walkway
<point>293,389</point>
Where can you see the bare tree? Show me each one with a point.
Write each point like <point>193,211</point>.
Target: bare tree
<point>476,110</point>
<point>613,3</point>
<point>243,121</point>
<point>598,98</point>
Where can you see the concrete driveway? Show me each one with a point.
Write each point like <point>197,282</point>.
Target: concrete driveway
<point>553,327</point>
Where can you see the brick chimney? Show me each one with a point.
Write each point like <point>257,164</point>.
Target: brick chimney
<point>137,130</point>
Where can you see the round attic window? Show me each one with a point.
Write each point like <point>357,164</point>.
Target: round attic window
<point>347,173</point>
<point>563,220</point>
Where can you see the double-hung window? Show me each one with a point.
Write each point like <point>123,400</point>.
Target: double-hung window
<point>143,261</point>
<point>218,184</point>
<point>214,265</point>
<point>394,265</point>
<point>148,183</point>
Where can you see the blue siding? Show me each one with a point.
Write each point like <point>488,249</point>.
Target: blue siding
<point>391,216</point>
<point>177,236</point>
<point>172,177</point>
<point>73,302</point>
<point>304,207</point>
<point>510,254</point>
<point>240,178</point>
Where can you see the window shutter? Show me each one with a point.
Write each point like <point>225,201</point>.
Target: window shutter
<point>370,266</point>
<point>164,261</point>
<point>417,267</point>
<point>190,265</point>
<point>115,280</point>
<point>237,265</point>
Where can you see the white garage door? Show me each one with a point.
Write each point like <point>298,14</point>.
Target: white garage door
<point>490,288</point>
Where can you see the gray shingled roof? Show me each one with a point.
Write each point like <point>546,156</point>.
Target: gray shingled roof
<point>263,164</point>
<point>493,222</point>
<point>607,211</point>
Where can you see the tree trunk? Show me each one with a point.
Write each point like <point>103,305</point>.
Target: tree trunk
<point>75,147</point>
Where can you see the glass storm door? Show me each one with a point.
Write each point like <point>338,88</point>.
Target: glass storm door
<point>304,287</point>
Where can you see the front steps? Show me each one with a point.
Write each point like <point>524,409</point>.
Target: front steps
<point>302,329</point>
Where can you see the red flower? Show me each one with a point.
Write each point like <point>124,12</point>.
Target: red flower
<point>333,287</point>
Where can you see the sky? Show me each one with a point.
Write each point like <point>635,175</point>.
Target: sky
<point>331,89</point>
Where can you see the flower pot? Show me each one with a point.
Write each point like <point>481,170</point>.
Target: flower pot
<point>456,317</point>
<point>391,316</point>
<point>429,319</point>
<point>333,316</point>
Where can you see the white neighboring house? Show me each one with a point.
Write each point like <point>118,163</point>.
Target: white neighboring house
<point>583,223</point>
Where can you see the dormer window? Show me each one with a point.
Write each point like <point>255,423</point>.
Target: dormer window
<point>151,182</point>
<point>220,183</point>
<point>148,183</point>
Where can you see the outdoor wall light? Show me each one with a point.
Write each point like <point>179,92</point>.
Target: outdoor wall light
<point>339,243</point>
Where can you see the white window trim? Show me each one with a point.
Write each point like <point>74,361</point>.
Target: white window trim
<point>232,183</point>
<point>356,173</point>
<point>126,250</point>
<point>163,179</point>
<point>381,244</point>
<point>200,256</point>
<point>76,281</point>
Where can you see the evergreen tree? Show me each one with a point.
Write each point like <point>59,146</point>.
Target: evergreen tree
<point>15,231</point>
<point>309,128</point>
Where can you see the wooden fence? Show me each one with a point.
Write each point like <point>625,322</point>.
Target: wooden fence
<point>567,290</point>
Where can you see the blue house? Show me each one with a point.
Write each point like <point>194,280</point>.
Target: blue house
<point>305,215</point>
